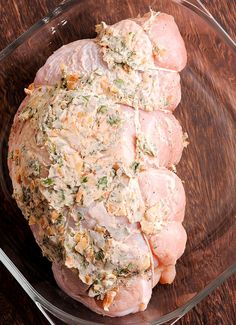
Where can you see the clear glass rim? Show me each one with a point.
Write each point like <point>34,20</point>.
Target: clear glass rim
<point>195,6</point>
<point>42,303</point>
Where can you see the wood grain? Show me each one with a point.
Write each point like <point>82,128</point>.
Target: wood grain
<point>16,16</point>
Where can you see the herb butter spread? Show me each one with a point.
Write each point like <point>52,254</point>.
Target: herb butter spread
<point>88,141</point>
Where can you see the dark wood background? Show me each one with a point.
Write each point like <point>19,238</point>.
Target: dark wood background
<point>16,16</point>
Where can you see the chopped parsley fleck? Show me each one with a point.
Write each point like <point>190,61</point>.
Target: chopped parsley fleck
<point>55,156</point>
<point>123,43</point>
<point>23,148</point>
<point>113,120</point>
<point>119,82</point>
<point>84,179</point>
<point>48,182</point>
<point>100,199</point>
<point>125,271</point>
<point>86,98</point>
<point>146,147</point>
<point>102,182</point>
<point>102,109</point>
<point>99,255</point>
<point>26,195</point>
<point>27,113</point>
<point>80,216</point>
<point>135,166</point>
<point>167,102</point>
<point>62,195</point>
<point>35,167</point>
<point>58,251</point>
<point>59,219</point>
<point>63,83</point>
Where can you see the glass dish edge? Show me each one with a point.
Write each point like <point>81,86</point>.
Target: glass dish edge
<point>39,300</point>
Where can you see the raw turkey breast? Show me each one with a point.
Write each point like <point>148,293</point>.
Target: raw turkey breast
<point>91,154</point>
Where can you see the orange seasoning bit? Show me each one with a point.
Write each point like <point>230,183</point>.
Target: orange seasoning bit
<point>79,166</point>
<point>32,220</point>
<point>108,299</point>
<point>81,115</point>
<point>18,178</point>
<point>142,306</point>
<point>31,86</point>
<point>79,196</point>
<point>61,229</point>
<point>72,81</point>
<point>43,223</point>
<point>69,262</point>
<point>50,231</point>
<point>29,90</point>
<point>88,279</point>
<point>104,84</point>
<point>90,253</point>
<point>54,216</point>
<point>158,52</point>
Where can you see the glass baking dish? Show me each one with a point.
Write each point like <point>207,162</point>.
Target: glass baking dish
<point>208,166</point>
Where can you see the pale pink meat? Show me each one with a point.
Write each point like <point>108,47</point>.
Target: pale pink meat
<point>169,89</point>
<point>80,56</point>
<point>167,249</point>
<point>166,134</point>
<point>84,56</point>
<point>131,297</point>
<point>165,36</point>
<point>161,128</point>
<point>168,274</point>
<point>98,215</point>
<point>69,281</point>
<point>159,188</point>
<point>165,187</point>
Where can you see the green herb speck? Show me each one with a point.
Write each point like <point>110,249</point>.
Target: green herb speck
<point>119,82</point>
<point>84,179</point>
<point>146,147</point>
<point>125,271</point>
<point>59,219</point>
<point>26,194</point>
<point>48,182</point>
<point>135,166</point>
<point>113,120</point>
<point>102,109</point>
<point>102,183</point>
<point>86,98</point>
<point>80,216</point>
<point>99,255</point>
<point>35,167</point>
<point>62,195</point>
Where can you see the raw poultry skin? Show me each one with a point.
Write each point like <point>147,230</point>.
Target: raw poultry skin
<point>90,156</point>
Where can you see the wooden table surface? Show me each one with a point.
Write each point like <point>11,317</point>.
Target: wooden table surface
<point>16,16</point>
